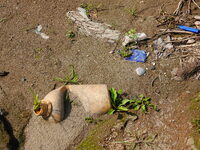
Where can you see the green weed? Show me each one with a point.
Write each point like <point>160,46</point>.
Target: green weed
<point>87,7</point>
<point>143,103</point>
<point>71,35</point>
<point>133,12</point>
<point>197,99</point>
<point>72,78</point>
<point>196,123</point>
<point>37,102</point>
<point>132,33</point>
<point>125,52</point>
<point>120,104</point>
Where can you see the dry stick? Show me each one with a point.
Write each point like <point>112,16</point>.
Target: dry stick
<point>175,31</point>
<point>180,6</point>
<point>196,4</point>
<point>189,7</point>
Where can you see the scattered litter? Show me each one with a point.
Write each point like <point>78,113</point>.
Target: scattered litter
<point>163,48</point>
<point>4,73</point>
<point>38,31</point>
<point>137,56</point>
<point>138,37</point>
<point>140,71</point>
<point>189,29</point>
<point>90,28</point>
<point>197,17</point>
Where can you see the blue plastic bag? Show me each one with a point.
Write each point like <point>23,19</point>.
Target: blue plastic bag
<point>137,56</point>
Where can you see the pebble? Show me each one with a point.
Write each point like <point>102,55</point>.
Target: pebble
<point>140,71</point>
<point>191,41</point>
<point>197,24</point>
<point>197,17</point>
<point>23,79</point>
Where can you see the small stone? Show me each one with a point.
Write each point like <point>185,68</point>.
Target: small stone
<point>197,17</point>
<point>140,71</point>
<point>191,41</point>
<point>23,79</point>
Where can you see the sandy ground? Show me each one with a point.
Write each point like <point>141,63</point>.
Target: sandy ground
<point>33,62</point>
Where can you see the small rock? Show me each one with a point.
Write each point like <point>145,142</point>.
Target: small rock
<point>23,79</point>
<point>197,24</point>
<point>197,17</point>
<point>191,41</point>
<point>140,71</point>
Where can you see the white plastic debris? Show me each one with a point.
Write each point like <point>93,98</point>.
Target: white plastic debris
<point>38,31</point>
<point>91,28</point>
<point>140,71</point>
<point>138,37</point>
<point>82,12</point>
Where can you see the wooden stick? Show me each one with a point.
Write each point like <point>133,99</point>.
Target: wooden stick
<point>176,31</point>
<point>180,6</point>
<point>196,4</point>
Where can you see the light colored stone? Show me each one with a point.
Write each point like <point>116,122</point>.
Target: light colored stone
<point>191,41</point>
<point>140,71</point>
<point>197,17</point>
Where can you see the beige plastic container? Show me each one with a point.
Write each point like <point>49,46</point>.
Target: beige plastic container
<point>94,98</point>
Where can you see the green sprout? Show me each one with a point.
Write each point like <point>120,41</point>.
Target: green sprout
<point>125,52</point>
<point>72,78</point>
<point>196,123</point>
<point>132,33</point>
<point>120,104</point>
<point>133,12</point>
<point>70,35</point>
<point>37,103</point>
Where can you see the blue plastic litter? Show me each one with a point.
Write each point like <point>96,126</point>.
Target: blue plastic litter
<point>137,56</point>
<point>189,29</point>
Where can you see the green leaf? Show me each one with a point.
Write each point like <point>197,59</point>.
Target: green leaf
<point>138,102</point>
<point>58,79</point>
<point>147,99</point>
<point>153,106</point>
<point>122,108</point>
<point>125,101</point>
<point>141,96</point>
<point>119,92</point>
<point>137,107</point>
<point>144,108</point>
<point>113,94</point>
<point>111,111</point>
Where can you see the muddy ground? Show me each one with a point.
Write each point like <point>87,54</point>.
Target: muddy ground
<point>33,63</point>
